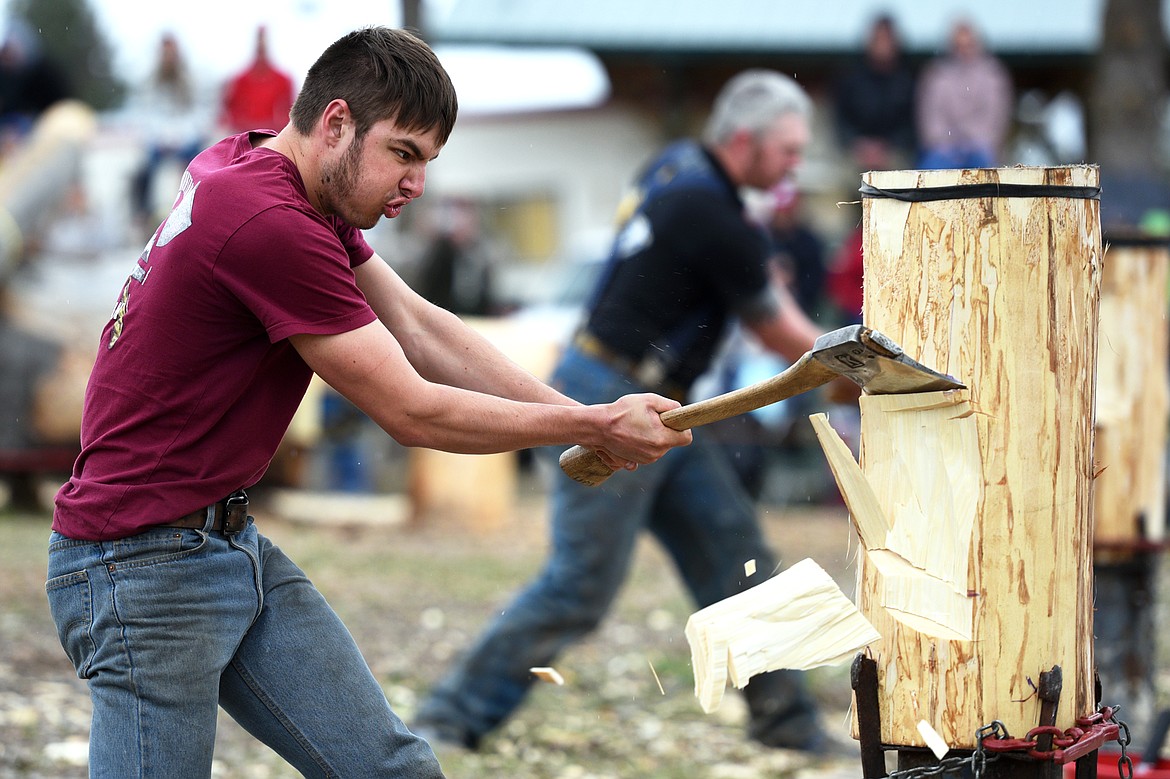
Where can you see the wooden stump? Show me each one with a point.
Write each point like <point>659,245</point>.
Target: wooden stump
<point>478,491</point>
<point>1132,398</point>
<point>984,578</point>
<point>1129,491</point>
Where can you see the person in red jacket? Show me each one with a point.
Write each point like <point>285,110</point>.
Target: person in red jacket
<point>260,97</point>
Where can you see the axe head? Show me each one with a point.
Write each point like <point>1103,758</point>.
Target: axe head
<point>877,364</point>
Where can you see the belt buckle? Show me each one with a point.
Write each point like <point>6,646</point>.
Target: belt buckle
<point>235,513</point>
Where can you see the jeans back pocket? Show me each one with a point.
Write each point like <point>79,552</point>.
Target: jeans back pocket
<point>71,604</point>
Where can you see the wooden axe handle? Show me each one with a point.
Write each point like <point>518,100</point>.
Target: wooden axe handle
<point>805,374</point>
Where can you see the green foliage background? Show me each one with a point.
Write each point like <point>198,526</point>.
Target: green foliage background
<point>69,33</point>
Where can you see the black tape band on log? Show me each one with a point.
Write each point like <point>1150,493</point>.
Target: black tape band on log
<point>1135,240</point>
<point>966,191</point>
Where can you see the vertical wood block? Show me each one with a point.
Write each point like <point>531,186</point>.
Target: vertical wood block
<point>1002,292</point>
<point>1133,402</point>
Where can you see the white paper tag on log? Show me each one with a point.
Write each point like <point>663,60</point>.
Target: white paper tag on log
<point>933,739</point>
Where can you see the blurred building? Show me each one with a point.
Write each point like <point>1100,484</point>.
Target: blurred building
<point>556,186</point>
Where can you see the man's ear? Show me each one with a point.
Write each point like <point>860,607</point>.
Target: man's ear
<point>334,119</point>
<point>743,139</point>
<point>736,152</point>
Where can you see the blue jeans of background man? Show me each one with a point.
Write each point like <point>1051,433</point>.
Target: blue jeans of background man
<point>167,625</point>
<point>944,158</point>
<point>693,503</point>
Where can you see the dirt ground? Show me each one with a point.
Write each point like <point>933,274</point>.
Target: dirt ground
<point>414,597</point>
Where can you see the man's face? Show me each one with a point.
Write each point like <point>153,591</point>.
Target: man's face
<point>777,151</point>
<point>378,174</point>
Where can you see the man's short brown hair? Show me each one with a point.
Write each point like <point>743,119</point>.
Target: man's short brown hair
<point>382,73</point>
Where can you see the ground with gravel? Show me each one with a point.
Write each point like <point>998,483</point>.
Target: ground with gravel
<point>415,596</point>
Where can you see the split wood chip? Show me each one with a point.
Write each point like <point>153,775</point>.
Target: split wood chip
<point>546,674</point>
<point>798,619</point>
<point>914,505</point>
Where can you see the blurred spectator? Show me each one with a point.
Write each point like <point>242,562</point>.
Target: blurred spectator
<point>844,284</point>
<point>751,440</point>
<point>796,262</point>
<point>874,101</point>
<point>964,105</point>
<point>261,96</point>
<point>174,115</point>
<point>30,81</point>
<point>455,270</point>
<point>799,252</point>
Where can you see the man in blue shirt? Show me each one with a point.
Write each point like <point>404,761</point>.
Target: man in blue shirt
<point>686,261</point>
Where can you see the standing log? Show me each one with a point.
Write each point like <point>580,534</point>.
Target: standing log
<point>478,491</point>
<point>988,504</point>
<point>1132,398</point>
<point>34,178</point>
<point>1129,513</point>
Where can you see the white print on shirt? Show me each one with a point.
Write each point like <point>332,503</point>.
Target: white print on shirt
<point>180,216</point>
<point>176,222</point>
<point>635,236</point>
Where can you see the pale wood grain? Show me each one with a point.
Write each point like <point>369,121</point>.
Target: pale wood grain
<point>1001,293</point>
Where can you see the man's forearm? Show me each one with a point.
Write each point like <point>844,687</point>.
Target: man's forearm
<point>441,347</point>
<point>460,356</point>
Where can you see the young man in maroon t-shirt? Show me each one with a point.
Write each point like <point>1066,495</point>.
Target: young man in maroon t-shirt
<point>167,599</point>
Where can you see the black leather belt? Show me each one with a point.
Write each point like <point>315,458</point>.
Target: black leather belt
<point>646,372</point>
<point>229,516</point>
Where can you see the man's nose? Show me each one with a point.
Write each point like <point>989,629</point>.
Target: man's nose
<point>414,182</point>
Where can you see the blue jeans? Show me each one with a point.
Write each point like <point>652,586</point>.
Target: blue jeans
<point>956,157</point>
<point>692,502</point>
<point>168,624</point>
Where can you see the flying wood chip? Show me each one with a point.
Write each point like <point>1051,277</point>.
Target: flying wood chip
<point>798,619</point>
<point>550,675</point>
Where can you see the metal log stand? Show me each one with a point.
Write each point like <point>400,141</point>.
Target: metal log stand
<point>1041,753</point>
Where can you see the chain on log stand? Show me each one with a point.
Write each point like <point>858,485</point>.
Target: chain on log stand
<point>1040,754</point>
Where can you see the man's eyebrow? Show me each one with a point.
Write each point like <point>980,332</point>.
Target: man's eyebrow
<point>415,149</point>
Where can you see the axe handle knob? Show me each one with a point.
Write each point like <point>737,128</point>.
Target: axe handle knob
<point>584,465</point>
<point>807,373</point>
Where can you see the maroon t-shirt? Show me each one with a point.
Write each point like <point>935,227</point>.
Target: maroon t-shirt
<point>195,381</point>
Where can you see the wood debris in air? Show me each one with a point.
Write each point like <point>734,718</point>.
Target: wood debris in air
<point>797,619</point>
<point>546,674</point>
